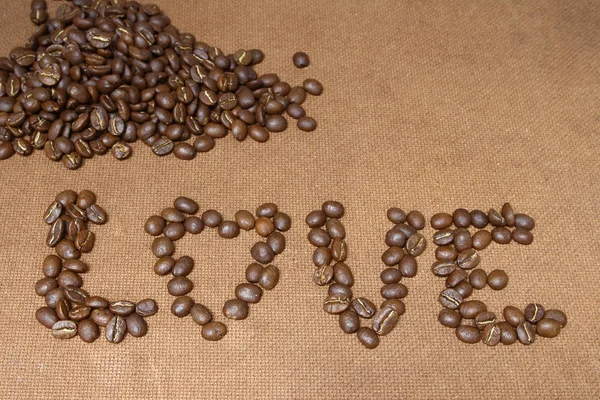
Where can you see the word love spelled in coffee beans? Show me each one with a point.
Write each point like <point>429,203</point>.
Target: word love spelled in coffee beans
<point>458,261</point>
<point>102,74</point>
<point>405,243</point>
<point>175,222</point>
<point>70,310</point>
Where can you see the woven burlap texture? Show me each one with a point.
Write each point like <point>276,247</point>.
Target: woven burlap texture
<point>427,105</point>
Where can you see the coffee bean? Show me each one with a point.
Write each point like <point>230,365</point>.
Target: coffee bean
<point>396,215</point>
<point>174,231</point>
<point>468,259</point>
<point>368,337</point>
<point>484,319</point>
<point>69,278</point>
<point>262,253</point>
<point>495,218</point>
<point>248,292</point>
<point>508,214</point>
<point>336,304</point>
<point>46,316</point>
<point>212,218</point>
<point>79,313</point>
<point>342,274</point>
<point>468,334</point>
<point>333,209</point>
<point>508,334</point>
<point>339,290</point>
<point>455,278</point>
<point>85,241</point>
<point>450,298</point>
<point>364,307</point>
<point>181,306</point>
<point>236,309</point>
<point>53,213</point>
<point>164,146</point>
<point>116,329</point>
<point>534,312</point>
<point>522,236</point>
<point>323,275</point>
<point>497,279</point>
<point>443,268</point>
<point>464,288</point>
<point>186,205</point>
<point>394,238</point>
<point>214,331</point>
<point>183,266</point>
<point>416,219</point>
<point>136,325</point>
<point>462,239</point>
<point>101,316</point>
<point>446,253</point>
<point>461,218</point>
<point>53,297</point>
<point>63,307</point>
<point>6,150</point>
<point>162,247</point>
<point>416,244</point>
<point>394,291</point>
<point>491,335</point>
<point>146,308</point>
<point>64,329</point>
<point>96,302</point>
<point>264,226</point>
<point>306,124</point>
<point>408,266</point>
<point>449,318</point>
<point>228,229</point>
<point>253,272</point>
<point>471,308</point>
<point>481,240</point>
<point>479,219</point>
<point>45,285</point>
<point>313,86</point>
<point>441,221</point>
<point>301,60</point>
<point>180,286</point>
<point>96,214</point>
<point>122,307</point>
<point>335,228</point>
<point>322,256</point>
<point>556,315</point>
<point>339,251</point>
<point>76,294</point>
<point>501,235</point>
<point>393,255</point>
<point>390,275</point>
<point>85,199</point>
<point>282,222</point>
<point>193,225</point>
<point>513,315</point>
<point>478,278</point>
<point>245,220</point>
<point>164,265</point>
<point>385,320</point>
<point>443,237</point>
<point>526,332</point>
<point>200,314</point>
<point>349,321</point>
<point>269,277</point>
<point>319,237</point>
<point>547,327</point>
<point>75,212</point>
<point>51,266</point>
<point>524,221</point>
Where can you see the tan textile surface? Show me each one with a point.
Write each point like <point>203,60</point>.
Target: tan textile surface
<point>429,106</point>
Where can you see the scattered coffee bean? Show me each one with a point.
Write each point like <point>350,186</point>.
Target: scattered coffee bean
<point>368,337</point>
<point>214,331</point>
<point>349,321</point>
<point>497,279</point>
<point>468,334</point>
<point>526,332</point>
<point>449,318</point>
<point>301,60</point>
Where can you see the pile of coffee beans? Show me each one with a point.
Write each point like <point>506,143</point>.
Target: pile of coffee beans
<point>405,243</point>
<point>174,222</point>
<point>101,75</point>
<point>70,311</point>
<point>458,260</point>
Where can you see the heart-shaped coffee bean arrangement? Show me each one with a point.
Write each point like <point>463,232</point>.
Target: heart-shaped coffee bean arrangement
<point>405,244</point>
<point>174,222</point>
<point>458,253</point>
<point>70,311</point>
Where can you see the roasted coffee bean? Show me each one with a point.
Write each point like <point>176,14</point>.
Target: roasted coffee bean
<point>323,275</point>
<point>415,219</point>
<point>495,218</point>
<point>96,214</point>
<point>513,315</point>
<point>484,319</point>
<point>101,317</point>
<point>339,251</point>
<point>162,247</point>
<point>122,307</point>
<point>164,265</point>
<point>456,278</point>
<point>394,291</point>
<point>446,253</point>
<point>64,329</point>
<point>85,241</point>
<point>364,307</point>
<point>548,328</point>
<point>522,236</point>
<point>508,214</point>
<point>96,302</point>
<point>212,218</point>
<point>313,86</point>
<point>51,266</point>
<point>443,268</point>
<point>200,314</point>
<point>392,256</point>
<point>181,306</point>
<point>333,209</point>
<point>228,229</point>
<point>180,286</point>
<point>462,240</point>
<point>534,312</point>
<point>443,237</point>
<point>116,329</point>
<point>481,240</point>
<point>491,335</point>
<point>471,308</point>
<point>408,266</point>
<point>63,307</point>
<point>441,221</point>
<point>301,60</point>
<point>497,279</point>
<point>396,215</point>
<point>136,325</point>
<point>450,298</point>
<point>526,332</point>
<point>183,266</point>
<point>336,304</point>
<point>76,294</point>
<point>368,337</point>
<point>524,221</point>
<point>146,308</point>
<point>245,220</point>
<point>282,222</point>
<point>319,237</point>
<point>406,229</point>
<point>85,199</point>
<point>556,315</point>
<point>449,318</point>
<point>174,231</point>
<point>335,228</point>
<point>468,334</point>
<point>46,316</point>
<point>306,124</point>
<point>416,244</point>
<point>164,146</point>
<point>236,309</point>
<point>394,238</point>
<point>508,334</point>
<point>69,278</point>
<point>248,292</point>
<point>339,289</point>
<point>342,274</point>
<point>79,313</point>
<point>254,271</point>
<point>6,150</point>
<point>461,218</point>
<point>269,277</point>
<point>321,256</point>
<point>478,278</point>
<point>349,321</point>
<point>390,275</point>
<point>193,225</point>
<point>186,205</point>
<point>264,226</point>
<point>53,212</point>
<point>479,219</point>
<point>45,285</point>
<point>214,331</point>
<point>468,259</point>
<point>501,235</point>
<point>385,320</point>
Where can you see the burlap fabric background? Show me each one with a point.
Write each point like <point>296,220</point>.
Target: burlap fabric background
<point>427,106</point>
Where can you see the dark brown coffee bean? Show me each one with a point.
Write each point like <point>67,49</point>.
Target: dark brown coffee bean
<point>269,277</point>
<point>336,304</point>
<point>162,247</point>
<point>248,292</point>
<point>200,314</point>
<point>85,199</point>
<point>164,265</point>
<point>416,244</point>
<point>468,334</point>
<point>146,308</point>
<point>479,219</point>
<point>449,318</point>
<point>76,294</point>
<point>450,298</point>
<point>319,237</point>
<point>441,221</point>
<point>471,308</point>
<point>136,325</point>
<point>394,291</point>
<point>174,231</point>
<point>172,215</point>
<point>282,222</point>
<point>96,302</point>
<point>68,278</point>
<point>524,221</point>
<point>462,240</point>
<point>164,146</point>
<point>556,315</point>
<point>508,214</point>
<point>85,241</point>
<point>390,275</point>
<point>301,59</point>
<point>522,236</point>
<point>534,312</point>
<point>181,306</point>
<point>415,219</point>
<point>349,321</point>
<point>186,205</point>
<point>264,226</point>
<point>180,286</point>
<point>342,274</point>
<point>368,337</point>
<point>122,307</point>
<point>306,124</point>
<point>236,309</point>
<point>456,278</point>
<point>526,332</point>
<point>96,214</point>
<point>228,229</point>
<point>497,279</point>
<point>51,266</point>
<point>408,266</point>
<point>392,256</point>
<point>443,268</point>
<point>193,225</point>
<point>53,297</point>
<point>495,218</point>
<point>464,288</point>
<point>468,259</point>
<point>266,210</point>
<point>79,313</point>
<point>364,307</point>
<point>116,329</point>
<point>321,256</point>
<point>212,218</point>
<point>46,316</point>
<point>45,285</point>
<point>461,218</point>
<point>258,133</point>
<point>313,86</point>
<point>339,290</point>
<point>513,315</point>
<point>245,220</point>
<point>443,237</point>
<point>53,213</point>
<point>339,251</point>
<point>385,320</point>
<point>491,335</point>
<point>548,328</point>
<point>64,329</point>
<point>407,230</point>
<point>63,307</point>
<point>253,272</point>
<point>214,331</point>
<point>483,319</point>
<point>481,240</point>
<point>508,334</point>
<point>478,278</point>
<point>101,317</point>
<point>183,266</point>
<point>75,212</point>
<point>333,209</point>
<point>7,150</point>
<point>395,238</point>
<point>446,253</point>
<point>501,235</point>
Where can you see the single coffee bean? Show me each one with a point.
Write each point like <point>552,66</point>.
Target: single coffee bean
<point>497,279</point>
<point>276,242</point>
<point>46,316</point>
<point>254,271</point>
<point>266,210</point>
<point>481,240</point>
<point>394,238</point>
<point>396,304</point>
<point>450,298</point>
<point>522,236</point>
<point>368,337</point>
<point>385,320</point>
<point>316,219</point>
<point>483,319</point>
<point>76,294</point>
<point>248,292</point>
<point>556,315</point>
<point>447,253</point>
<point>154,225</point>
<point>85,199</point>
<point>526,332</point>
<point>471,308</point>
<point>186,205</point>
<point>534,312</point>
<point>501,235</point>
<point>51,266</point>
<point>323,275</point>
<point>464,288</point>
<point>396,215</point>
<point>181,306</point>
<point>508,214</point>
<point>461,218</point>
<point>336,304</point>
<point>415,219</point>
<point>342,274</point>
<point>468,334</point>
<point>122,307</point>
<point>335,228</point>
<point>495,218</point>
<point>116,329</point>
<point>68,278</point>
<point>146,308</point>
<point>509,335</point>
<point>339,289</point>
<point>6,150</point>
<point>349,321</point>
<point>180,286</point>
<point>269,277</point>
<point>53,212</point>
<point>200,314</point>
<point>392,256</point>
<point>45,285</point>
<point>524,221</point>
<point>172,215</point>
<point>408,266</point>
<point>416,244</point>
<point>264,226</point>
<point>245,220</point>
<point>313,86</point>
<point>301,59</point>
<point>333,209</point>
<point>136,325</point>
<point>79,313</point>
<point>101,317</point>
<point>468,259</point>
<point>63,307</point>
<point>228,229</point>
<point>96,302</point>
<point>443,237</point>
<point>443,268</point>
<point>214,331</point>
<point>462,239</point>
<point>455,278</point>
<point>319,237</point>
<point>322,256</point>
<point>441,221</point>
<point>236,309</point>
<point>64,329</point>
<point>394,291</point>
<point>174,231</point>
<point>478,278</point>
<point>513,315</point>
<point>491,335</point>
<point>162,247</point>
<point>96,214</point>
<point>193,225</point>
<point>183,266</point>
<point>76,266</point>
<point>449,318</point>
<point>390,275</point>
<point>306,124</point>
<point>85,241</point>
<point>364,307</point>
<point>339,251</point>
<point>548,328</point>
<point>479,219</point>
<point>212,218</point>
<point>282,222</point>
<point>164,265</point>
